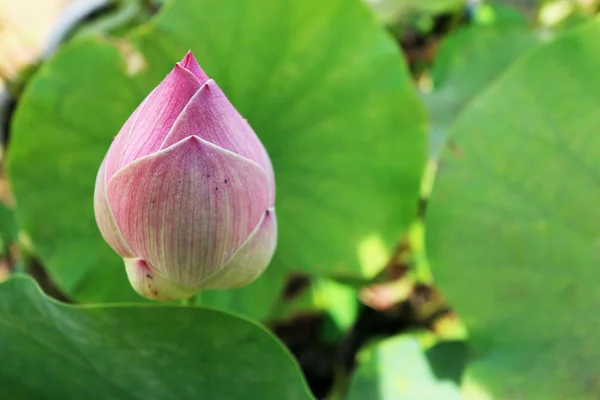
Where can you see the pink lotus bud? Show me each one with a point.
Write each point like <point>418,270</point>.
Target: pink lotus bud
<point>186,192</point>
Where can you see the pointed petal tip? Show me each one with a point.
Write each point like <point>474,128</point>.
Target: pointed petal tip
<point>179,68</point>
<point>190,63</point>
<point>187,60</point>
<point>194,141</point>
<point>155,117</point>
<point>208,85</point>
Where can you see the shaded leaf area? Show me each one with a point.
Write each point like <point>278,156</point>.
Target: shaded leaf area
<point>8,226</point>
<point>313,339</point>
<point>311,318</point>
<point>468,62</point>
<point>398,368</point>
<point>512,232</point>
<point>52,350</point>
<point>328,94</point>
<point>325,330</point>
<point>9,251</point>
<point>448,359</point>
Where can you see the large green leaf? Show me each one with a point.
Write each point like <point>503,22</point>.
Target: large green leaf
<point>55,351</point>
<point>323,86</point>
<point>513,228</point>
<point>467,63</point>
<point>397,369</point>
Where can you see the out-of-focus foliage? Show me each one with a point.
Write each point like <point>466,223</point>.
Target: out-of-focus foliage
<point>466,63</point>
<point>393,10</point>
<point>399,369</point>
<point>512,232</point>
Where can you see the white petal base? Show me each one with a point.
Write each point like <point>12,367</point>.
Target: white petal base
<point>152,285</point>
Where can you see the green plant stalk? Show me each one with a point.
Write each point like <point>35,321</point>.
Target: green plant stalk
<point>189,302</point>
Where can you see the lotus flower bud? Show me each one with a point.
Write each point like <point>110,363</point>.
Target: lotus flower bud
<point>186,192</point>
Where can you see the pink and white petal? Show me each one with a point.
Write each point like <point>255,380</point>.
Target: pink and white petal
<point>159,113</point>
<point>105,218</point>
<point>186,209</point>
<point>115,152</point>
<point>252,258</point>
<point>210,115</point>
<point>189,62</point>
<point>153,285</point>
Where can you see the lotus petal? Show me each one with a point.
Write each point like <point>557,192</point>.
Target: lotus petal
<point>105,218</point>
<point>211,116</point>
<point>158,114</point>
<point>187,209</point>
<point>252,258</point>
